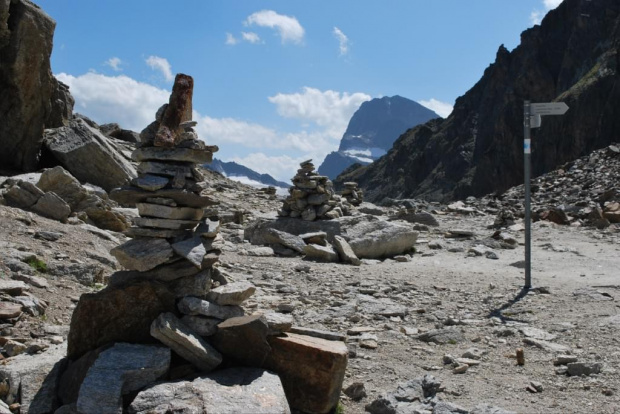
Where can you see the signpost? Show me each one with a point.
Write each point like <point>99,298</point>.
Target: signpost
<point>532,113</point>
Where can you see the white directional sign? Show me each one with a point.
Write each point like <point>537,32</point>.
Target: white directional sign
<point>532,114</point>
<point>548,108</point>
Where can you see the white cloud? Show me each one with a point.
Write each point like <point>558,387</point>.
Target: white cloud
<point>536,16</point>
<point>329,109</point>
<point>114,63</point>
<point>119,99</point>
<point>323,114</point>
<point>231,40</point>
<point>161,64</point>
<point>343,41</point>
<point>442,109</point>
<point>233,131</point>
<point>551,4</point>
<point>288,27</point>
<point>250,37</point>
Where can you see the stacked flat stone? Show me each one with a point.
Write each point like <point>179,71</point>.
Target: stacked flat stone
<point>312,196</point>
<point>352,193</point>
<point>172,243</point>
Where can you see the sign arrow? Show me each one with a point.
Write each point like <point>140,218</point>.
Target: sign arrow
<point>548,108</point>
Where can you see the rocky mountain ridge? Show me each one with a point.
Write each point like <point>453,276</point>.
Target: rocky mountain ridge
<point>571,57</point>
<point>372,130</point>
<point>233,169</point>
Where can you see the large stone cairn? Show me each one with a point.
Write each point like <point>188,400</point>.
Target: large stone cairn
<point>173,248</point>
<point>352,193</point>
<point>312,197</point>
<point>172,294</point>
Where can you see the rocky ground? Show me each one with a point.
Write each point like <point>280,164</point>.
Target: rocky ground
<point>458,296</point>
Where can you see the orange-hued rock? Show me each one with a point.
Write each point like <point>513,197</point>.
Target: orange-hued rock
<point>179,110</point>
<point>311,369</point>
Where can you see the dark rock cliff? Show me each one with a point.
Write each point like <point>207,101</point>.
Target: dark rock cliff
<point>573,56</point>
<point>31,99</point>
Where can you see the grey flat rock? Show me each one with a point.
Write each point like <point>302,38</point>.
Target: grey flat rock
<point>230,391</point>
<point>142,254</point>
<point>122,369</point>
<point>442,336</point>
<point>166,212</point>
<point>150,182</point>
<point>190,346</point>
<point>231,294</point>
<point>196,306</point>
<point>191,249</point>
<point>35,379</point>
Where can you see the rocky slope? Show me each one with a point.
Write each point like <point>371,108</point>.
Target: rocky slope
<point>372,130</point>
<point>571,57</point>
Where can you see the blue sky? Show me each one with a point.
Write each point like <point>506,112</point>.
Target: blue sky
<point>276,82</point>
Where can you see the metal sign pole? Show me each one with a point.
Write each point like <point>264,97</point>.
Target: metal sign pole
<point>527,150</point>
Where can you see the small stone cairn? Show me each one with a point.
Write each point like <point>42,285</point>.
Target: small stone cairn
<point>312,197</point>
<point>352,193</point>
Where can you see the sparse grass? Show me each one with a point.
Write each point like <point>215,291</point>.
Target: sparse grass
<point>339,409</point>
<point>37,264</point>
<point>452,342</point>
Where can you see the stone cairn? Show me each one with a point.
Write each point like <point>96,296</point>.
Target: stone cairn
<point>312,197</point>
<point>352,193</point>
<point>172,294</point>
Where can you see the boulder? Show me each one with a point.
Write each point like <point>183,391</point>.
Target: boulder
<point>66,186</point>
<point>369,236</point>
<point>33,379</point>
<point>229,391</point>
<point>23,195</point>
<point>320,253</point>
<point>117,314</point>
<point>51,206</point>
<point>89,155</point>
<point>26,82</point>
<point>291,241</point>
<point>118,371</point>
<point>190,346</point>
<point>311,369</point>
<point>9,310</point>
<point>345,251</point>
<point>79,198</point>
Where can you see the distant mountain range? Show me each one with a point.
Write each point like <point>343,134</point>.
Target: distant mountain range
<point>372,130</point>
<point>234,170</point>
<point>572,57</point>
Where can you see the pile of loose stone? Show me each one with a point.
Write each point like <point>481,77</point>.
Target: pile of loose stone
<point>352,193</point>
<point>172,293</point>
<point>583,192</point>
<point>312,197</point>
